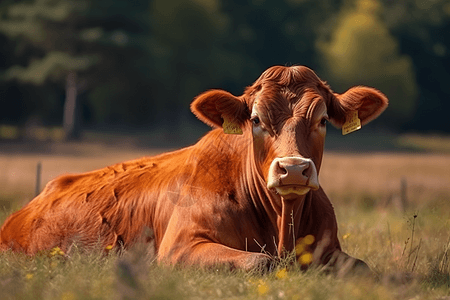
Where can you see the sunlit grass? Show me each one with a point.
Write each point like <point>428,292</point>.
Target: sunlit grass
<point>130,276</point>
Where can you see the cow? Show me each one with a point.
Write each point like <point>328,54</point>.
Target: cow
<point>241,197</point>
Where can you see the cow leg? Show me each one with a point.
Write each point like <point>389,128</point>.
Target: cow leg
<point>209,254</point>
<point>343,264</point>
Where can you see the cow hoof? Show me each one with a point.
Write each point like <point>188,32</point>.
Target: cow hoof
<point>355,267</point>
<point>360,267</point>
<point>260,263</point>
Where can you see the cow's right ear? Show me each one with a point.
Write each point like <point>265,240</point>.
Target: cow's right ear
<point>213,107</point>
<point>367,102</point>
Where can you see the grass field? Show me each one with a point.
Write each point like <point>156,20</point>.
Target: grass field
<point>393,211</point>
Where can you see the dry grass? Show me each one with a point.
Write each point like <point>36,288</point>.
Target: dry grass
<point>411,254</point>
<point>380,174</point>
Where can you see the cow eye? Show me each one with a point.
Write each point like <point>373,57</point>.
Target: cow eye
<point>324,121</point>
<point>255,121</point>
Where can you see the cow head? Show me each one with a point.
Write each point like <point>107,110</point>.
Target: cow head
<point>285,112</point>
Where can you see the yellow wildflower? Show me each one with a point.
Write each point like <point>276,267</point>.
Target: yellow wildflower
<point>308,240</point>
<point>303,243</point>
<point>56,251</point>
<point>262,288</point>
<point>306,258</point>
<point>299,248</point>
<point>109,247</point>
<point>29,276</point>
<point>281,273</point>
<point>345,236</point>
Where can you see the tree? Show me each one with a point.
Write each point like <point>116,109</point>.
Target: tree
<point>188,55</point>
<point>70,37</point>
<point>422,29</point>
<point>31,22</point>
<point>361,50</point>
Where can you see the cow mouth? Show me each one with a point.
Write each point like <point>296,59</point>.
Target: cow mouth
<point>299,190</point>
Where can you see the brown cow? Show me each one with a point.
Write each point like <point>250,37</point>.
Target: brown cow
<point>221,200</point>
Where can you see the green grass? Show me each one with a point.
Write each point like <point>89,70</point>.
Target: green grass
<point>93,276</point>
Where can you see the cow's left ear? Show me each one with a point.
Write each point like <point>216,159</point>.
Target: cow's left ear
<point>368,102</point>
<point>213,107</point>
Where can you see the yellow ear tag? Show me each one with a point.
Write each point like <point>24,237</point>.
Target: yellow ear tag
<point>352,122</point>
<point>230,127</point>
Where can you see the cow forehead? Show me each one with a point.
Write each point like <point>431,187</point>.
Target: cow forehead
<point>280,103</point>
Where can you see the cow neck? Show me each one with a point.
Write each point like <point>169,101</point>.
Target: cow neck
<point>259,194</point>
<point>285,215</point>
<point>289,223</point>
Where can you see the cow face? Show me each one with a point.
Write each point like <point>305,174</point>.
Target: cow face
<point>285,112</point>
<point>288,129</point>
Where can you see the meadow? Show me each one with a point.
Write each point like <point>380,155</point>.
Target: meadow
<point>393,211</point>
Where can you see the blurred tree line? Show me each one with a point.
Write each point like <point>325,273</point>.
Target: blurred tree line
<point>139,63</point>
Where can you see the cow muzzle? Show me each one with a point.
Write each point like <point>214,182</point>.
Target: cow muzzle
<point>292,175</point>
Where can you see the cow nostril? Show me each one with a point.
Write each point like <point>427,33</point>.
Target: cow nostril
<point>305,172</point>
<point>282,170</point>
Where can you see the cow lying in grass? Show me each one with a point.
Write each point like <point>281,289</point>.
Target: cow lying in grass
<point>223,199</point>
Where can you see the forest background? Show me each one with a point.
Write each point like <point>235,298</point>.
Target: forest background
<point>72,67</point>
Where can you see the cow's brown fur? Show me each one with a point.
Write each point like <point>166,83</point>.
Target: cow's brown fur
<point>208,203</point>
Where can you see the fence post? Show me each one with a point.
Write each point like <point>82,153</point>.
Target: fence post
<point>38,179</point>
<point>403,194</point>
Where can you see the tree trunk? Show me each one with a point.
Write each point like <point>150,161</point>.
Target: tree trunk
<point>70,119</point>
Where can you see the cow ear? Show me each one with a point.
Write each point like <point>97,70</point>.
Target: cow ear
<point>213,107</point>
<point>368,102</point>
